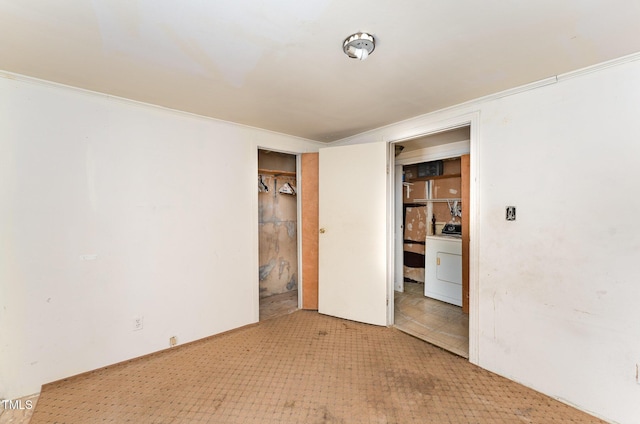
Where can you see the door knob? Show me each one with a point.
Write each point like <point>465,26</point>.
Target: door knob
<point>322,230</point>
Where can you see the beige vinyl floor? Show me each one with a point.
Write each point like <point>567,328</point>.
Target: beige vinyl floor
<point>436,322</point>
<point>21,414</point>
<point>301,367</point>
<point>298,367</point>
<point>270,307</point>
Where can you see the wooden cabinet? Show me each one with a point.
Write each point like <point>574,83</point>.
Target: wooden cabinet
<point>435,192</point>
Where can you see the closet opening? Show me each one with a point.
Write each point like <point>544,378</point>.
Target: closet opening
<point>431,284</point>
<point>277,233</point>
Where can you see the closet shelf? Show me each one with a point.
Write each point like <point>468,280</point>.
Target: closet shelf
<point>450,199</point>
<point>276,173</point>
<point>433,177</point>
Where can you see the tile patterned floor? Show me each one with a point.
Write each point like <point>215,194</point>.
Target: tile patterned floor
<point>22,412</point>
<point>436,322</point>
<point>270,307</point>
<point>301,367</point>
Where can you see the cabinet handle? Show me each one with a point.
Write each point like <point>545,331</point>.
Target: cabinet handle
<point>437,261</point>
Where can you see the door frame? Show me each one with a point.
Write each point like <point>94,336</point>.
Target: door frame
<point>256,295</point>
<point>473,121</point>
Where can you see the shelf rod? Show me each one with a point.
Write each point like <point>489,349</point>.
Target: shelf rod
<point>276,173</point>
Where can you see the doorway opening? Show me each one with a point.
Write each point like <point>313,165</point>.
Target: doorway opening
<point>431,278</point>
<point>277,231</point>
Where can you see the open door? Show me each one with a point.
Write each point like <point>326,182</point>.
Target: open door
<point>353,232</point>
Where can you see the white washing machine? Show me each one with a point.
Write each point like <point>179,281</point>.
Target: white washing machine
<point>443,269</point>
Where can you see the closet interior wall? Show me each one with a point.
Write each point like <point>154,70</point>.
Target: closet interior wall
<point>277,223</point>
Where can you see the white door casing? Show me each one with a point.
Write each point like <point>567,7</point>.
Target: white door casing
<point>398,232</point>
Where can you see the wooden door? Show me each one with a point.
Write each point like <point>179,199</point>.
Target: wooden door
<point>309,236</point>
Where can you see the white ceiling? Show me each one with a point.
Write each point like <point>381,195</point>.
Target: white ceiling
<point>279,64</point>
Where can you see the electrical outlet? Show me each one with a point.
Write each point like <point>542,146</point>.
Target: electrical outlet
<point>173,341</point>
<point>138,322</point>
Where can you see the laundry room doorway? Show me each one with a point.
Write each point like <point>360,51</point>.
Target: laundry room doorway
<point>431,278</point>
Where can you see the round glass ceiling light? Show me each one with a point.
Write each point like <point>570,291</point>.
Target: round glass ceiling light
<point>359,45</point>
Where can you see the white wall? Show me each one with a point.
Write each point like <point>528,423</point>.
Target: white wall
<point>567,288</point>
<point>149,192</point>
<point>168,203</point>
<point>556,306</point>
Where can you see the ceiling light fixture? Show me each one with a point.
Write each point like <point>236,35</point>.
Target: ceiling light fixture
<point>359,45</point>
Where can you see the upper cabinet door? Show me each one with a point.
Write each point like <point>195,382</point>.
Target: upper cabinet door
<point>353,232</point>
